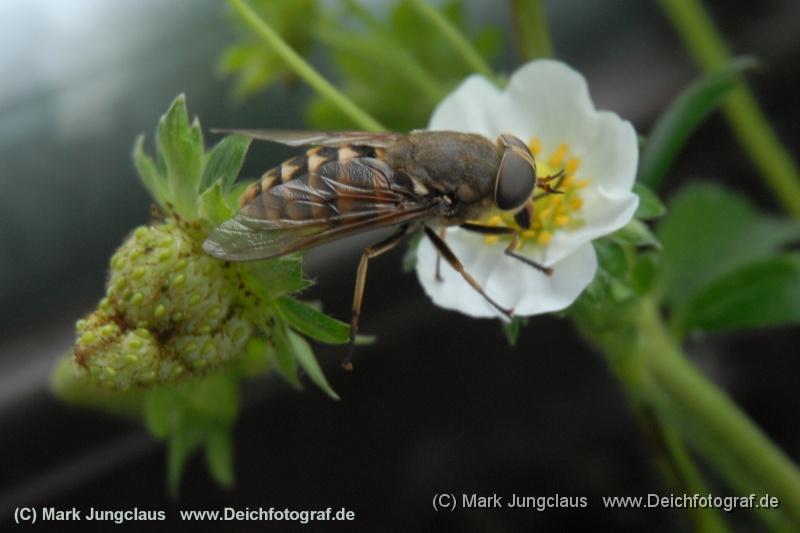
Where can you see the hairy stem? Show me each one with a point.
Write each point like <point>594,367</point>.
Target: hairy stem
<point>702,39</point>
<point>303,69</point>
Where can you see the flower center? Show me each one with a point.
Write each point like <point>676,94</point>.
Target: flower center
<point>551,211</point>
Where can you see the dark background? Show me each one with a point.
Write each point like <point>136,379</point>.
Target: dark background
<point>440,403</point>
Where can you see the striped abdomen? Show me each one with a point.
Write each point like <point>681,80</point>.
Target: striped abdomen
<point>325,184</point>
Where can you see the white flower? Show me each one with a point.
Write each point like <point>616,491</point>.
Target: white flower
<point>546,104</point>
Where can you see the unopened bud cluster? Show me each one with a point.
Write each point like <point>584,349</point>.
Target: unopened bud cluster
<point>169,312</point>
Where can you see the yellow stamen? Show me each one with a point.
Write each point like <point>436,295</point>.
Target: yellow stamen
<point>576,203</point>
<point>561,220</point>
<point>491,239</point>
<point>544,237</point>
<point>535,146</point>
<point>558,155</point>
<point>581,184</point>
<point>572,165</point>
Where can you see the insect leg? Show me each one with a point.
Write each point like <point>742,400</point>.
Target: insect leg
<point>544,183</point>
<point>442,232</point>
<point>361,277</point>
<point>511,250</point>
<point>451,258</point>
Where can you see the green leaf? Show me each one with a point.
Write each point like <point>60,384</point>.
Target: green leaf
<point>285,360</point>
<point>180,149</point>
<point>761,294</point>
<point>180,446</point>
<point>305,356</point>
<point>512,328</point>
<point>219,455</point>
<point>711,231</point>
<point>149,174</point>
<point>313,323</point>
<point>224,161</point>
<point>635,233</point>
<point>650,205</point>
<point>212,205</point>
<point>684,114</point>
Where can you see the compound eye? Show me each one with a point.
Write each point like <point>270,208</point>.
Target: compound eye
<point>516,179</point>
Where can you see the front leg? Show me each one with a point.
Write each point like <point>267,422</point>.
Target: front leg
<point>451,258</point>
<point>511,250</point>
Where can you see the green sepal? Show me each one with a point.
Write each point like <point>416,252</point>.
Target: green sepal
<point>273,278</point>
<point>650,206</point>
<point>219,455</point>
<point>150,175</point>
<point>285,361</point>
<point>410,256</point>
<point>305,357</point>
<point>512,329</point>
<point>180,445</point>
<point>180,150</point>
<point>645,276</point>
<point>213,206</point>
<point>636,233</point>
<point>313,323</point>
<point>224,161</point>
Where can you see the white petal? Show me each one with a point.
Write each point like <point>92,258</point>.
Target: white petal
<point>470,108</point>
<point>550,100</point>
<point>510,282</point>
<point>608,203</point>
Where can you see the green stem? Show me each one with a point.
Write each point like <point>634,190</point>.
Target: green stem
<point>701,37</point>
<point>303,69</point>
<point>708,419</point>
<point>530,26</point>
<point>656,374</point>
<point>471,56</point>
<point>706,520</point>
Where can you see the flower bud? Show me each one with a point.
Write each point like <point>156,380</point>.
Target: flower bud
<point>170,311</point>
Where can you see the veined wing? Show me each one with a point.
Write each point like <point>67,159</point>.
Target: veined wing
<point>338,199</point>
<point>380,139</point>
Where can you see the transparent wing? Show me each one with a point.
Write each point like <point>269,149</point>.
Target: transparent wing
<point>236,241</point>
<point>339,199</point>
<point>319,138</point>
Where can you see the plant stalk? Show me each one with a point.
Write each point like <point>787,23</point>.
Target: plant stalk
<point>530,26</point>
<point>303,69</point>
<point>460,43</point>
<point>705,44</point>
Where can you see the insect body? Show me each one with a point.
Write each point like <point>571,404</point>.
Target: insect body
<point>351,182</point>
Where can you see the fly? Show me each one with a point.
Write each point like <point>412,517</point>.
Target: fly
<point>351,182</point>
